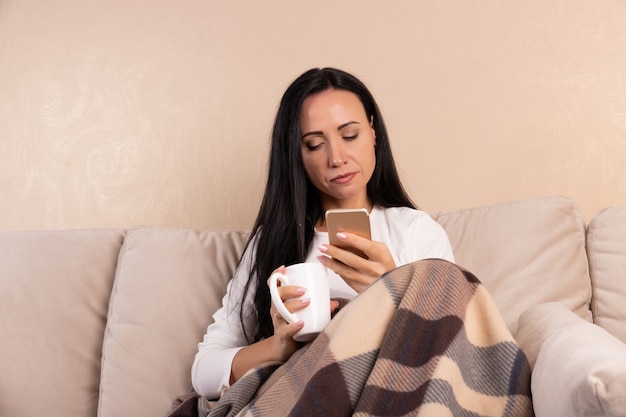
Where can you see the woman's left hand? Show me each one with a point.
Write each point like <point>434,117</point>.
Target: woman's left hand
<point>356,271</point>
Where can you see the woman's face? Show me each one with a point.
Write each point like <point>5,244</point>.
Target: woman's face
<point>338,148</point>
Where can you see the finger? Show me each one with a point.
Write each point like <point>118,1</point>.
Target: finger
<point>288,330</point>
<point>277,320</point>
<point>355,241</point>
<point>287,292</point>
<point>349,274</point>
<point>276,316</point>
<point>295,305</point>
<point>379,259</point>
<point>344,256</point>
<point>292,306</point>
<point>374,250</point>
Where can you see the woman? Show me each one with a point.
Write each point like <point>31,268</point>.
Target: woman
<point>329,149</point>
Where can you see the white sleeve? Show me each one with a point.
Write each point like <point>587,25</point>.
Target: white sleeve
<point>212,365</point>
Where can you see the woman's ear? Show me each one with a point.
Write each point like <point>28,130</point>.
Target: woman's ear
<point>372,127</point>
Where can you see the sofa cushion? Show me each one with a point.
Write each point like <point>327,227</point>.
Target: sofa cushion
<point>525,253</point>
<point>168,285</point>
<point>606,248</point>
<point>54,296</point>
<point>579,369</point>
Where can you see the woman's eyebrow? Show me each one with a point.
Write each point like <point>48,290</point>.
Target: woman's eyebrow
<point>316,133</point>
<point>347,124</point>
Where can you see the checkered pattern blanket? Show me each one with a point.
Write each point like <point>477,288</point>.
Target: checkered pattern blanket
<point>425,339</point>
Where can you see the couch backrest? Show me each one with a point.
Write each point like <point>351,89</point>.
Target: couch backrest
<point>168,284</point>
<point>54,297</point>
<point>606,249</point>
<point>525,253</point>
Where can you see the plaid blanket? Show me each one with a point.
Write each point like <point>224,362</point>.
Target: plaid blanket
<point>425,339</point>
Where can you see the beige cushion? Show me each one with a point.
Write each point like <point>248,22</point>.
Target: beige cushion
<point>606,247</point>
<point>168,285</point>
<point>579,369</point>
<point>526,253</point>
<point>54,296</point>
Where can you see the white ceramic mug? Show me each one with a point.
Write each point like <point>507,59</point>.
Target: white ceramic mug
<point>316,315</point>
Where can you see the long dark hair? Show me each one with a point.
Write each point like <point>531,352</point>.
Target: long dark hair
<point>291,206</point>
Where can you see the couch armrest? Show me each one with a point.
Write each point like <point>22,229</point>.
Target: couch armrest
<point>579,369</point>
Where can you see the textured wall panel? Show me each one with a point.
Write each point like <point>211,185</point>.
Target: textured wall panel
<point>152,112</point>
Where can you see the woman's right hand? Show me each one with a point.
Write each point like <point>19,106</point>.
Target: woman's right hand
<point>281,345</point>
<point>282,341</point>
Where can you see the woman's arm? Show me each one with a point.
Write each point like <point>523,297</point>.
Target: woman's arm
<point>224,355</point>
<point>281,345</point>
<point>271,349</point>
<point>211,368</point>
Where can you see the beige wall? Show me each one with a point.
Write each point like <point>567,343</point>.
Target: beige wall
<point>158,112</point>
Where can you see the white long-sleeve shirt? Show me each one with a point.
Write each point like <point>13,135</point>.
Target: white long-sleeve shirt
<point>409,234</point>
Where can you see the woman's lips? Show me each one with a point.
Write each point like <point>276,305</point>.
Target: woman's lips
<point>343,179</point>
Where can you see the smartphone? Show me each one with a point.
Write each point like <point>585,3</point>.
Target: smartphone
<point>355,221</point>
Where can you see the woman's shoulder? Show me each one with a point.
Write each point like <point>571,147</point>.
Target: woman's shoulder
<point>412,233</point>
<point>406,221</point>
<point>402,215</point>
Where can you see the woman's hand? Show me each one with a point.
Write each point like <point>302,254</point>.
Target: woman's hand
<point>356,271</point>
<point>282,340</point>
<point>278,347</point>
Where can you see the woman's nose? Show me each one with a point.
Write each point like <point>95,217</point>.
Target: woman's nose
<point>336,162</point>
<point>336,155</point>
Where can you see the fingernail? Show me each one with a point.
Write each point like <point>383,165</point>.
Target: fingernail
<point>322,248</point>
<point>300,323</point>
<point>341,236</point>
<point>322,259</point>
<point>305,301</point>
<point>301,290</point>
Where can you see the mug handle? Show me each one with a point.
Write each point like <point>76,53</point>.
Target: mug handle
<point>280,306</point>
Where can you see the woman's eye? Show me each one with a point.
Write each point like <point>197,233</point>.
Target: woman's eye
<point>351,137</point>
<point>313,146</point>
